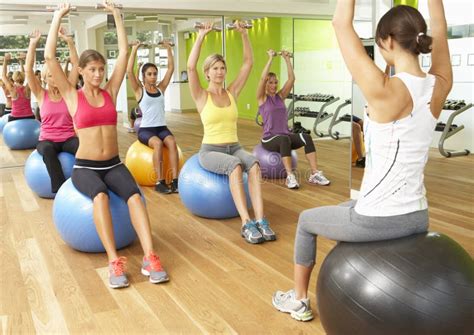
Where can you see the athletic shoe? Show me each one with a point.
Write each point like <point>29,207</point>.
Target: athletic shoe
<point>152,268</point>
<point>162,188</point>
<point>251,233</point>
<point>286,302</point>
<point>130,130</point>
<point>318,178</point>
<point>264,228</point>
<point>291,182</point>
<point>360,162</point>
<point>174,186</point>
<point>117,275</point>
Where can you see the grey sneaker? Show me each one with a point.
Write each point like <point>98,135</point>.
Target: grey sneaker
<point>286,302</point>
<point>152,268</point>
<point>251,233</point>
<point>318,178</point>
<point>267,232</point>
<point>291,182</point>
<point>117,275</point>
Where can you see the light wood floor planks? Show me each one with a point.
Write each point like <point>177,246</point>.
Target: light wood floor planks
<point>219,283</point>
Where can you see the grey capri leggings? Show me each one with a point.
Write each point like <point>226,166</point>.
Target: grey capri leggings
<point>224,159</point>
<point>342,223</point>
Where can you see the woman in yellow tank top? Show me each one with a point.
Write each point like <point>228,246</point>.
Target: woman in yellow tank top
<point>220,151</point>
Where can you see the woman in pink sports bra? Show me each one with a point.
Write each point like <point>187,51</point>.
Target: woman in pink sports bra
<point>20,94</point>
<point>98,167</point>
<point>57,130</point>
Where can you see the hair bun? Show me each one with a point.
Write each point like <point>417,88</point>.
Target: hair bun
<point>424,43</point>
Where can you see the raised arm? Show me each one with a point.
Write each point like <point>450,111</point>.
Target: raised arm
<point>67,91</point>
<point>286,89</point>
<point>33,82</point>
<point>21,58</point>
<point>132,78</point>
<point>263,78</point>
<point>5,79</point>
<point>120,67</point>
<point>197,92</point>
<point>238,84</point>
<point>169,72</point>
<point>440,58</point>
<point>73,75</point>
<point>366,74</point>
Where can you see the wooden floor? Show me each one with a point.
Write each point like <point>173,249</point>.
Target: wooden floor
<point>219,283</point>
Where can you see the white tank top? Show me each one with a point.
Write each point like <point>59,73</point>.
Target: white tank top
<point>396,154</point>
<point>152,106</point>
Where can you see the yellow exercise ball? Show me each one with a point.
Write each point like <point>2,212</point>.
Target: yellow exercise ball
<point>139,161</point>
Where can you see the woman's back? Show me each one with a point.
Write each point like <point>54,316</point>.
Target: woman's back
<point>397,153</point>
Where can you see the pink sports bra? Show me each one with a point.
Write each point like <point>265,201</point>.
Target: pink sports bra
<point>89,116</point>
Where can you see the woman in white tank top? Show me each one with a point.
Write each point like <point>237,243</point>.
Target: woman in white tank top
<point>153,131</point>
<point>399,123</point>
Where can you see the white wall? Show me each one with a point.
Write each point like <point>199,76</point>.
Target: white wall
<point>463,86</point>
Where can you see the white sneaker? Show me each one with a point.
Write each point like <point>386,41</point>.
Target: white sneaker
<point>286,302</point>
<point>291,181</point>
<point>130,130</point>
<point>318,178</point>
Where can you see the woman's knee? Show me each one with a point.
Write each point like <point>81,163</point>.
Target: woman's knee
<point>101,197</point>
<point>156,144</point>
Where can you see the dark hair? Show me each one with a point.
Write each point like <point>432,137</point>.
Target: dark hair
<point>146,66</point>
<point>90,56</point>
<point>405,25</point>
<point>37,72</point>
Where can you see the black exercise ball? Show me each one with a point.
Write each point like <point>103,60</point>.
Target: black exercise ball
<point>421,284</point>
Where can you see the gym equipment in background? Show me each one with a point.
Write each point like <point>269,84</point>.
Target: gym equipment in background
<point>336,120</point>
<point>270,162</point>
<point>21,134</point>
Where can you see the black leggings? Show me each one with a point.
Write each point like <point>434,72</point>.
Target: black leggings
<point>50,151</point>
<point>285,143</point>
<point>13,118</point>
<point>93,177</point>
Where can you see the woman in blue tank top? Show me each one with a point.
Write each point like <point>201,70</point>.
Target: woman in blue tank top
<point>398,126</point>
<point>276,135</point>
<point>153,131</point>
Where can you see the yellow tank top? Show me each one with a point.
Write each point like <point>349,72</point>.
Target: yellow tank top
<point>220,123</point>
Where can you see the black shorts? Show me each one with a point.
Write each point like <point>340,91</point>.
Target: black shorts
<point>93,177</point>
<point>356,119</point>
<point>135,113</point>
<point>13,118</point>
<point>145,133</point>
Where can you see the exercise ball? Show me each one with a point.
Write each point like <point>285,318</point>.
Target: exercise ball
<point>21,134</point>
<point>421,284</point>
<point>139,160</point>
<point>270,162</point>
<point>205,193</point>
<point>3,122</point>
<point>137,124</point>
<point>37,176</point>
<point>73,218</point>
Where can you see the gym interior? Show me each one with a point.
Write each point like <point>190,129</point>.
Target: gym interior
<point>218,283</point>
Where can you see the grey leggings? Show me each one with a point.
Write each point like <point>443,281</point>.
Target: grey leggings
<point>224,159</point>
<point>342,223</point>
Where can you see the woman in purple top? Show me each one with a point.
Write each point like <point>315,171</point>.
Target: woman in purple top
<point>276,135</point>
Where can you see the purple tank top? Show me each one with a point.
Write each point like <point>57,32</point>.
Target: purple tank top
<point>56,122</point>
<point>275,117</point>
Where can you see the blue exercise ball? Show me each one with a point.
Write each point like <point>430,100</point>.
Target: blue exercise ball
<point>37,175</point>
<point>72,216</point>
<point>421,284</point>
<point>205,193</point>
<point>3,122</point>
<point>21,134</point>
<point>270,162</point>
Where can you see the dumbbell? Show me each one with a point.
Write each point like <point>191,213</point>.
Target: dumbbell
<point>290,54</point>
<point>232,26</point>
<point>53,8</point>
<point>102,6</point>
<point>199,25</point>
